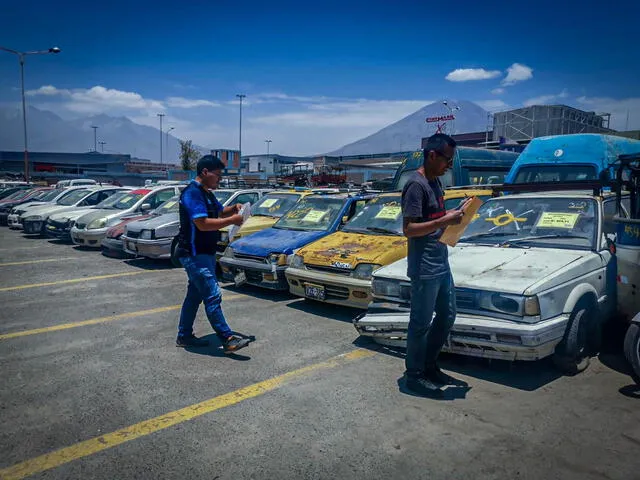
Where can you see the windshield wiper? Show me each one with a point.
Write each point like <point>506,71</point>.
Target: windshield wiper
<point>263,215</point>
<point>485,234</point>
<point>541,237</point>
<point>382,230</point>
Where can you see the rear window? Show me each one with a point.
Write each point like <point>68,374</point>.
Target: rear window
<point>555,173</point>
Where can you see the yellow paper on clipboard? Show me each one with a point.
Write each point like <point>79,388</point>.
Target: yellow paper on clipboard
<point>452,233</point>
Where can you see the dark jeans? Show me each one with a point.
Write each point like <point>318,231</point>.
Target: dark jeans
<point>202,287</point>
<point>427,333</point>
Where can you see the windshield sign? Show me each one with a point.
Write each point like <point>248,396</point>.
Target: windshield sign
<point>274,204</point>
<point>312,213</point>
<point>382,215</point>
<point>120,201</point>
<point>170,206</point>
<point>545,221</point>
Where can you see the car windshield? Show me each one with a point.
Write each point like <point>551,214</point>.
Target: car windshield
<point>451,203</point>
<point>121,201</point>
<point>479,176</point>
<point>49,195</point>
<point>382,215</point>
<point>18,195</point>
<point>223,195</point>
<point>561,222</point>
<point>555,173</point>
<point>312,213</point>
<point>73,197</point>
<point>274,204</point>
<point>170,206</point>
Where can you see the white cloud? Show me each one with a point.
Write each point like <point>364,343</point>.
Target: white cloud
<point>181,102</point>
<point>493,105</point>
<point>517,73</point>
<point>617,107</point>
<point>47,90</point>
<point>469,74</point>
<point>497,91</point>
<point>546,99</point>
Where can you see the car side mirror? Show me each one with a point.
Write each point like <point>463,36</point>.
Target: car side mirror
<point>611,245</point>
<point>145,207</point>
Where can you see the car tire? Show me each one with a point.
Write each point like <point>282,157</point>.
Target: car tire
<point>572,353</point>
<point>174,260</point>
<point>632,349</point>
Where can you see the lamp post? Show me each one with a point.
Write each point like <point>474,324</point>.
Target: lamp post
<point>166,149</point>
<point>240,96</point>
<point>95,138</point>
<point>21,56</point>
<point>268,142</point>
<point>102,144</point>
<point>160,115</point>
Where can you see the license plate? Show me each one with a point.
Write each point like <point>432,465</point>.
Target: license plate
<point>240,278</point>
<point>131,246</point>
<point>315,292</point>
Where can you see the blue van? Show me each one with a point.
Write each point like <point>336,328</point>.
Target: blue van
<point>565,158</point>
<point>471,166</point>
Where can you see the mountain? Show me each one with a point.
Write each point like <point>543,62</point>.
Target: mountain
<point>48,132</point>
<point>407,133</point>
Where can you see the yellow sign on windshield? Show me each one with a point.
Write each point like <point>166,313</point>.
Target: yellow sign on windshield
<point>125,199</point>
<point>269,202</point>
<point>169,205</point>
<point>389,212</point>
<point>557,220</point>
<point>314,216</point>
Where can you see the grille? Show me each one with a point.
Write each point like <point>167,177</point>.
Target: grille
<point>253,276</point>
<point>334,270</point>
<point>59,225</point>
<point>254,258</point>
<point>466,299</point>
<point>336,293</point>
<point>132,234</point>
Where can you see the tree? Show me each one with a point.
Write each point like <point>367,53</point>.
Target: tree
<point>188,155</point>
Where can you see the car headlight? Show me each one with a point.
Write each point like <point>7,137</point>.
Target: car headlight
<point>228,252</point>
<point>297,261</point>
<point>34,218</point>
<point>167,231</point>
<point>509,303</point>
<point>386,288</point>
<point>224,237</point>
<point>365,270</point>
<point>97,223</point>
<point>146,234</point>
<point>531,305</point>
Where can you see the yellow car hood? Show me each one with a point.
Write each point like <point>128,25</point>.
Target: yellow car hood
<point>354,249</point>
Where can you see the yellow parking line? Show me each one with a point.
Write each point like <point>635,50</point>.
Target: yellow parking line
<point>94,321</point>
<point>147,427</point>
<point>28,262</point>
<point>76,280</point>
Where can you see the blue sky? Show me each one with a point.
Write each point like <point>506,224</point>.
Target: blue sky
<point>317,75</point>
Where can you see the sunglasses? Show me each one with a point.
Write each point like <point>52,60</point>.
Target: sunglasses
<point>443,155</point>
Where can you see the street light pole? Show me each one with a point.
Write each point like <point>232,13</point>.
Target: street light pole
<point>160,115</point>
<point>102,144</point>
<point>95,138</point>
<point>167,144</point>
<point>21,56</point>
<point>268,142</point>
<point>240,96</point>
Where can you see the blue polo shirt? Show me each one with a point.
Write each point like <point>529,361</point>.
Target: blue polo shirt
<point>197,202</point>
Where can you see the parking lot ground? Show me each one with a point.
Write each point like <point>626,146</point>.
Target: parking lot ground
<point>93,387</point>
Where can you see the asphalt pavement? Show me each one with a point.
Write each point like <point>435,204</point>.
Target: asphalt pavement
<point>94,387</point>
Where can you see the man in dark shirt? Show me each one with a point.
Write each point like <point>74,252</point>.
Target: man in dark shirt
<point>425,219</point>
<point>201,218</point>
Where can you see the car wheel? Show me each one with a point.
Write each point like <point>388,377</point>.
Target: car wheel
<point>632,349</point>
<point>174,260</point>
<point>572,353</point>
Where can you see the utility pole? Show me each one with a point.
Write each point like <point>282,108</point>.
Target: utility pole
<point>240,96</point>
<point>95,138</point>
<point>167,144</point>
<point>102,144</point>
<point>160,115</point>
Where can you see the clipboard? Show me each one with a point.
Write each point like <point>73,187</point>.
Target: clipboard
<point>452,233</point>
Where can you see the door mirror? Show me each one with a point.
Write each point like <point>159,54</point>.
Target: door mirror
<point>145,207</point>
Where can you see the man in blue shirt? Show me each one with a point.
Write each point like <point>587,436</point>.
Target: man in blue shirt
<point>201,218</point>
<point>432,289</point>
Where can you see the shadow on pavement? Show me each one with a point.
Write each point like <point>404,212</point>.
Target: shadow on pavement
<point>527,376</point>
<point>261,293</point>
<point>334,312</point>
<point>214,349</point>
<point>150,264</point>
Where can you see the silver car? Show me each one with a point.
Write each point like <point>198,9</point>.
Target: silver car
<point>156,237</point>
<point>91,228</point>
<point>14,219</point>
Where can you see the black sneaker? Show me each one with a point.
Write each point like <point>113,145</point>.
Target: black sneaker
<point>422,386</point>
<point>235,343</point>
<point>437,376</point>
<point>191,341</point>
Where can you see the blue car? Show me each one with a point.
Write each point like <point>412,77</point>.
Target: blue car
<point>261,258</point>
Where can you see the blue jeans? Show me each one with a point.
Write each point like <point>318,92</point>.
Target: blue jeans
<point>202,287</point>
<point>426,334</point>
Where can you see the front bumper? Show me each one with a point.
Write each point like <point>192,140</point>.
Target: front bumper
<point>13,220</point>
<point>473,335</point>
<point>339,290</point>
<point>33,227</point>
<point>158,248</point>
<point>88,238</point>
<point>112,247</point>
<point>258,274</point>
<point>56,231</point>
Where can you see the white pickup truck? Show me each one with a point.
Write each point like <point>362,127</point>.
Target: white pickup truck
<point>535,276</point>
